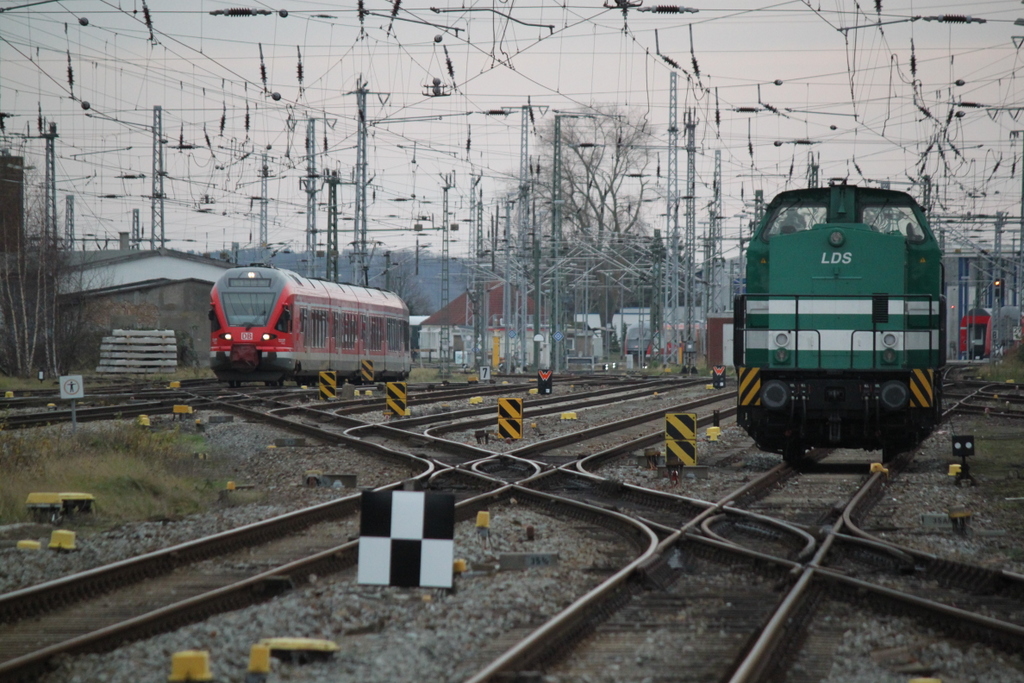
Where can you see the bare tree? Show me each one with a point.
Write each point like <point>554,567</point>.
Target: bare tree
<point>42,319</point>
<point>606,156</point>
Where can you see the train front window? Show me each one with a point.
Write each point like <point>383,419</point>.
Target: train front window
<point>795,216</point>
<point>247,309</point>
<point>893,219</point>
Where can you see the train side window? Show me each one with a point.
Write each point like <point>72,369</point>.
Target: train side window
<point>284,321</point>
<point>303,314</point>
<point>214,320</point>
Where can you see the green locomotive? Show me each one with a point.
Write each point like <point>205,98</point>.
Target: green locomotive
<point>841,331</point>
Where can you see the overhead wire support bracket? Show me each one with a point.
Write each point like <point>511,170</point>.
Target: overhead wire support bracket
<point>847,29</point>
<point>550,27</point>
<point>420,21</point>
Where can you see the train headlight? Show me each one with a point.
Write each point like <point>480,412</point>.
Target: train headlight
<point>251,275</point>
<point>782,339</point>
<point>888,356</point>
<point>774,394</point>
<point>894,395</point>
<point>227,336</point>
<point>889,340</point>
<point>836,239</point>
<point>781,355</point>
<point>267,336</point>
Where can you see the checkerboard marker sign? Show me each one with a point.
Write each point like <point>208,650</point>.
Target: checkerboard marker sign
<point>406,538</point>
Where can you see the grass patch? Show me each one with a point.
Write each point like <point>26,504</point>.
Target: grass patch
<point>133,473</point>
<point>999,462</point>
<point>1009,369</point>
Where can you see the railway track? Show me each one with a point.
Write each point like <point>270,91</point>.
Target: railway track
<point>747,576</point>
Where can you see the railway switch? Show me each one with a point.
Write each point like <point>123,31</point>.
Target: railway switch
<point>62,539</point>
<point>190,665</point>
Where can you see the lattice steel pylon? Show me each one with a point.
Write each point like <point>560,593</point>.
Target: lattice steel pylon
<point>524,228</point>
<point>359,224</point>
<point>136,240</point>
<point>672,218</point>
<point>690,244</point>
<point>713,254</point>
<point>446,330</point>
<point>69,222</point>
<point>264,204</point>
<point>310,185</point>
<point>157,200</point>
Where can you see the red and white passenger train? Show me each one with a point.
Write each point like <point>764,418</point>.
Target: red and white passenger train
<point>270,325</point>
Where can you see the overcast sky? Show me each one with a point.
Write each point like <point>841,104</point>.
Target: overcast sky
<point>866,86</point>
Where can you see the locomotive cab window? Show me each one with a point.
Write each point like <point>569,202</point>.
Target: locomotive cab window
<point>893,219</point>
<point>794,216</point>
<point>284,321</point>
<point>247,309</point>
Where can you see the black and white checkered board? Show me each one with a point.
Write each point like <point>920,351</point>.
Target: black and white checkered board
<point>406,538</point>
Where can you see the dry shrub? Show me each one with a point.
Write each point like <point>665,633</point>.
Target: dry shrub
<point>134,473</point>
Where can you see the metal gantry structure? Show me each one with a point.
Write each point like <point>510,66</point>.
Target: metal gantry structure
<point>157,202</point>
<point>672,217</point>
<point>361,262</point>
<point>264,208</point>
<point>690,244</point>
<point>310,183</point>
<point>447,183</point>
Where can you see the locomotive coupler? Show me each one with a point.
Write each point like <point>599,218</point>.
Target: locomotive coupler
<point>835,428</point>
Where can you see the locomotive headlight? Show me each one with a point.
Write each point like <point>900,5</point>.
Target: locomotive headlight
<point>267,336</point>
<point>775,394</point>
<point>889,340</point>
<point>227,336</point>
<point>894,395</point>
<point>781,355</point>
<point>836,239</point>
<point>251,275</point>
<point>782,339</point>
<point>888,356</point>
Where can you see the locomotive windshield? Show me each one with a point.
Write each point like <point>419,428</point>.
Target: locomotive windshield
<point>247,309</point>
<point>893,218</point>
<point>794,216</point>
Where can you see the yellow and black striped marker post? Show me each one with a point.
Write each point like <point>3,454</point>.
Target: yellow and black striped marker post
<point>366,371</point>
<point>681,438</point>
<point>510,418</point>
<point>750,386</point>
<point>922,392</point>
<point>396,401</point>
<point>328,385</point>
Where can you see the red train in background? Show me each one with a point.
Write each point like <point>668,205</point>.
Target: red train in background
<point>976,334</point>
<point>270,325</point>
